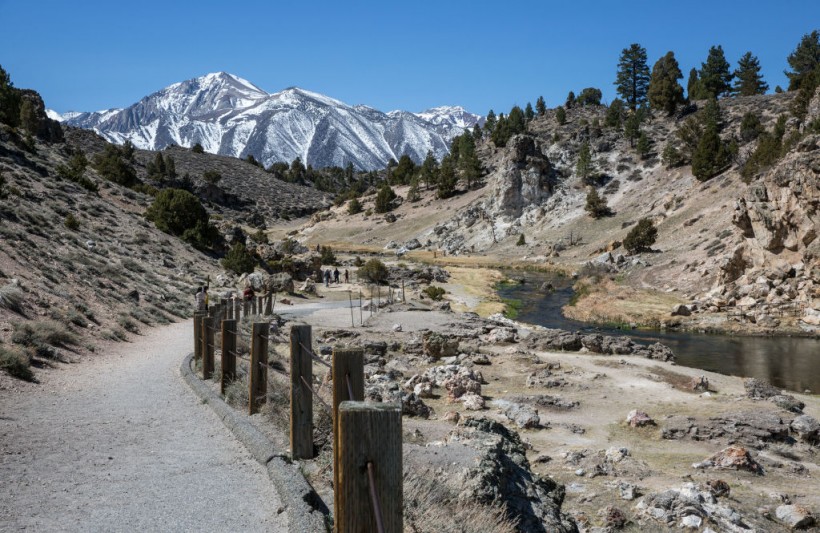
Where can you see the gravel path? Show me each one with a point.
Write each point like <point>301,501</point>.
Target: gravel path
<point>119,443</point>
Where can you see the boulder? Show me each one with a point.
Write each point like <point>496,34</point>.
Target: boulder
<point>308,287</point>
<point>436,345</point>
<point>806,428</point>
<point>788,402</point>
<point>759,390</point>
<point>733,457</point>
<point>412,405</point>
<point>681,310</point>
<point>412,244</point>
<point>637,418</point>
<point>501,335</point>
<point>523,416</point>
<point>473,402</point>
<point>794,516</point>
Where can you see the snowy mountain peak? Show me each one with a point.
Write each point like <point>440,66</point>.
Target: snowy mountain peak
<point>229,115</point>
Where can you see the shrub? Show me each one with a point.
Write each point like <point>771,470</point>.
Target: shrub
<point>71,222</point>
<point>16,363</point>
<point>197,148</point>
<point>11,298</point>
<point>179,213</point>
<point>373,271</point>
<point>671,157</point>
<point>435,293</point>
<point>561,116</point>
<point>328,258</point>
<point>750,127</point>
<point>596,205</point>
<point>239,260</point>
<point>354,207</point>
<point>127,324</point>
<point>521,240</point>
<point>113,165</point>
<point>641,237</point>
<point>45,332</point>
<point>357,261</point>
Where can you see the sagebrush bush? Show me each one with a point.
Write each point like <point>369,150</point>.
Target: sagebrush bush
<point>435,293</point>
<point>373,271</point>
<point>43,332</point>
<point>127,324</point>
<point>16,363</point>
<point>11,298</point>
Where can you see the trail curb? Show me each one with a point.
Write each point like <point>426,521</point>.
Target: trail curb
<point>306,511</point>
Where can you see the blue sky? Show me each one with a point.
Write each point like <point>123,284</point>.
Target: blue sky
<point>91,55</point>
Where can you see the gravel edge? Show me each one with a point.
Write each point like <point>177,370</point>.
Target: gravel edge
<point>306,511</point>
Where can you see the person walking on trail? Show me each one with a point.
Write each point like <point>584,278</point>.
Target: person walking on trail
<point>336,275</point>
<point>327,278</point>
<point>200,298</point>
<point>347,276</point>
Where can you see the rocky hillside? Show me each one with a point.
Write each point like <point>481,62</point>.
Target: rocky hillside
<point>719,241</point>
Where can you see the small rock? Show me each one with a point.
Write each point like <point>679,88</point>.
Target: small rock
<point>628,491</point>
<point>681,310</point>
<point>616,455</point>
<point>700,383</point>
<point>451,416</point>
<point>397,327</point>
<point>735,457</point>
<point>691,522</point>
<point>807,429</point>
<point>473,402</point>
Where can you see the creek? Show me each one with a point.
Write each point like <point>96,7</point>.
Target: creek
<point>787,362</point>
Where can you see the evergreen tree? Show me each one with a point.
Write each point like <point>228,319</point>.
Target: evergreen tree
<point>405,169</point>
<point>715,78</point>
<point>211,177</point>
<point>114,166</point>
<point>170,168</point>
<point>643,145</point>
<point>540,106</point>
<point>296,172</point>
<point>584,165</point>
<point>632,127</point>
<point>590,96</point>
<point>529,114</point>
<point>570,100</point>
<point>447,178</point>
<point>805,60</point>
<point>711,156</point>
<point>28,119</point>
<point>429,170</point>
<point>665,93</point>
<point>561,115</point>
<point>632,80</point>
<point>468,162</point>
<point>413,192</point>
<point>239,260</point>
<point>750,127</point>
<point>477,133</point>
<point>748,80</point>
<point>596,205</point>
<point>516,121</point>
<point>615,114</point>
<point>9,100</point>
<point>197,148</point>
<point>383,199</point>
<point>693,85</point>
<point>354,207</point>
<point>641,237</point>
<point>489,122</point>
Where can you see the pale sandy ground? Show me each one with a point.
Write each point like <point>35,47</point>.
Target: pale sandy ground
<point>120,443</point>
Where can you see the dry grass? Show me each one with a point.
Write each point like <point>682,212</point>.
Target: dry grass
<point>606,301</point>
<point>430,506</point>
<point>11,298</point>
<point>16,362</point>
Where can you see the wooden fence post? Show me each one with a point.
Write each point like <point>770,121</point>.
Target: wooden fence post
<point>223,310</point>
<point>228,354</point>
<point>198,335</point>
<point>258,371</point>
<point>207,347</point>
<point>269,304</point>
<point>370,452</point>
<point>301,393</point>
<point>346,363</point>
<point>246,308</point>
<point>259,303</point>
<point>253,305</point>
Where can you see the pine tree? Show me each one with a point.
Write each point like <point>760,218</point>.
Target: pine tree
<point>643,145</point>
<point>468,163</point>
<point>405,169</point>
<point>748,80</point>
<point>632,127</point>
<point>715,78</point>
<point>596,205</point>
<point>711,156</point>
<point>584,165</point>
<point>641,237</point>
<point>383,199</point>
<point>615,114</point>
<point>516,121</point>
<point>665,93</point>
<point>489,122</point>
<point>561,115</point>
<point>632,80</point>
<point>540,106</point>
<point>570,100</point>
<point>693,85</point>
<point>805,60</point>
<point>413,192</point>
<point>447,178</point>
<point>28,119</point>
<point>478,134</point>
<point>529,114</point>
<point>9,100</point>
<point>429,170</point>
<point>590,96</point>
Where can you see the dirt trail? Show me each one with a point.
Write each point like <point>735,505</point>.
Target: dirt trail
<point>120,443</point>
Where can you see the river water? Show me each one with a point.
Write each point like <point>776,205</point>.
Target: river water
<point>787,362</point>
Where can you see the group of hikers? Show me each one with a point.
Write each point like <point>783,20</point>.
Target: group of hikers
<point>333,276</point>
<point>201,297</point>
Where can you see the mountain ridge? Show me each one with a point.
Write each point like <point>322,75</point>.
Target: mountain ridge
<point>229,115</point>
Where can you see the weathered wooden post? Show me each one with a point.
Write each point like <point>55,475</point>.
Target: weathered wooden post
<point>369,490</point>
<point>348,378</point>
<point>198,335</point>
<point>260,303</point>
<point>253,305</point>
<point>223,310</point>
<point>246,308</point>
<point>301,393</point>
<point>207,347</point>
<point>228,354</point>
<point>269,304</point>
<point>258,371</point>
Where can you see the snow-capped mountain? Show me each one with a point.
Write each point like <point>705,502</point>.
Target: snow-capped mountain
<point>230,116</point>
